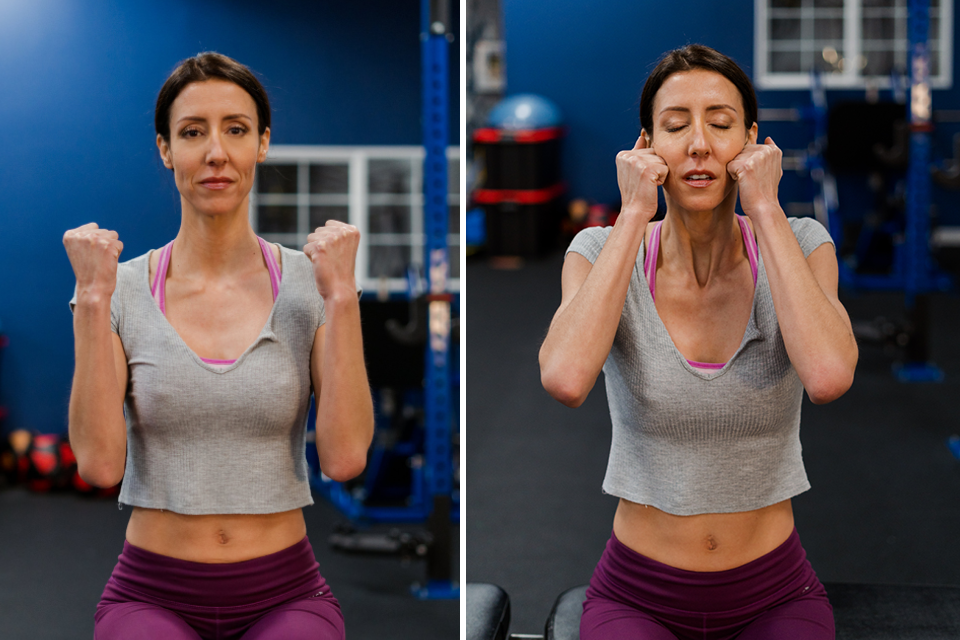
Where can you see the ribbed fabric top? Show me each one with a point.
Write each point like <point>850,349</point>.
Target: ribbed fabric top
<point>207,439</point>
<point>690,441</point>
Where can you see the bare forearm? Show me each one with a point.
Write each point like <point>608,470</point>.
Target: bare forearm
<point>97,429</point>
<point>816,331</point>
<point>582,332</point>
<point>344,408</point>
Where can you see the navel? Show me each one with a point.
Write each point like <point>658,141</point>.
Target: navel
<point>222,537</point>
<point>712,544</point>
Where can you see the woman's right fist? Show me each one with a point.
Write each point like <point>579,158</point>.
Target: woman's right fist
<point>94,254</point>
<point>639,172</point>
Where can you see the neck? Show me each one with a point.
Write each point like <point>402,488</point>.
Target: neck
<point>705,244</point>
<point>211,245</point>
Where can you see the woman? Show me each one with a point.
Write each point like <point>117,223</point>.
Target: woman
<point>708,326</point>
<point>211,346</point>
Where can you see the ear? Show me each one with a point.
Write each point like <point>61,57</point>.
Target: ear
<point>647,138</point>
<point>165,155</point>
<point>264,145</point>
<point>752,134</point>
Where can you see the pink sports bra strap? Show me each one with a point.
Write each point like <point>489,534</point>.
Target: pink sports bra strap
<point>650,261</point>
<point>158,290</point>
<point>272,267</point>
<point>753,252</point>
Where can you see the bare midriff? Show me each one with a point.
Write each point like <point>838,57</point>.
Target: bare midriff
<point>706,542</point>
<point>214,538</point>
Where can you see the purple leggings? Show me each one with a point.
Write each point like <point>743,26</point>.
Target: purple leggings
<point>280,595</point>
<point>775,596</point>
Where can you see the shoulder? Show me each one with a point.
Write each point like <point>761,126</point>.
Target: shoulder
<point>295,263</point>
<point>589,242</point>
<point>129,273</point>
<point>809,233</point>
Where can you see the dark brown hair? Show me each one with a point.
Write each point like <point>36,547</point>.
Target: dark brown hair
<point>205,66</point>
<point>696,56</point>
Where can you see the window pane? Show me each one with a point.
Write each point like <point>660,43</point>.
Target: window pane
<point>834,4</point>
<point>829,29</point>
<point>785,4</point>
<point>934,62</point>
<point>389,262</point>
<point>879,28</point>
<point>277,178</point>
<point>320,214</point>
<point>879,3</point>
<point>785,62</point>
<point>454,261</point>
<point>784,29</point>
<point>329,178</point>
<point>827,59</point>
<point>454,219</point>
<point>453,176</point>
<point>879,63</point>
<point>276,219</point>
<point>389,219</point>
<point>389,176</point>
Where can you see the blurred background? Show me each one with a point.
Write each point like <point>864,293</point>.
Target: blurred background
<point>365,101</point>
<point>860,95</point>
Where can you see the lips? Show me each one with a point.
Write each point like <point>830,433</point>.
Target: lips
<point>699,178</point>
<point>217,182</point>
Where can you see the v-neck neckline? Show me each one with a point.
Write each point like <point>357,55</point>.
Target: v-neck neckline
<point>751,331</point>
<point>265,333</point>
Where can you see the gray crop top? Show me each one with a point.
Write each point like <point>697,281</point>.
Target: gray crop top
<point>203,439</point>
<point>689,441</point>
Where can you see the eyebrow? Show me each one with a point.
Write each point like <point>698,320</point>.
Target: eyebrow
<point>714,107</point>
<point>232,116</point>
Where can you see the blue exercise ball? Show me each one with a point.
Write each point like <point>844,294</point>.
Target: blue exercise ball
<point>524,111</point>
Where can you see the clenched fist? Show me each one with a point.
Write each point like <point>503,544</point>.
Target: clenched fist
<point>94,254</point>
<point>757,170</point>
<point>639,172</point>
<point>333,251</point>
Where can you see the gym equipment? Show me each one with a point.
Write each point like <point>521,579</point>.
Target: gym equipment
<point>910,267</point>
<point>488,612</point>
<point>861,611</point>
<point>45,462</point>
<point>520,184</point>
<point>410,475</point>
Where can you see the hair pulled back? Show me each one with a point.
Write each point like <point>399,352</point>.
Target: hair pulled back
<point>688,58</point>
<point>207,66</point>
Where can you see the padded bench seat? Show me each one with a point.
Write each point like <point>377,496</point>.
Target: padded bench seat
<point>861,611</point>
<point>488,612</point>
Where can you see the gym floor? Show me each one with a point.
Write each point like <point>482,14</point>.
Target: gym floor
<point>58,550</point>
<point>885,502</point>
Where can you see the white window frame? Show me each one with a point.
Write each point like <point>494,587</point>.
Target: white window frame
<point>850,78</point>
<point>357,201</point>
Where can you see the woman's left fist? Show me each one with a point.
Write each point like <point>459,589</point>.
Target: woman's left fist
<point>333,251</point>
<point>757,170</point>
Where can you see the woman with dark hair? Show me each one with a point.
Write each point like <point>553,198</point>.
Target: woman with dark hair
<point>708,326</point>
<point>195,364</point>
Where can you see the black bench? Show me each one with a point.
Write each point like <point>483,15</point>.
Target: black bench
<point>861,611</point>
<point>488,612</point>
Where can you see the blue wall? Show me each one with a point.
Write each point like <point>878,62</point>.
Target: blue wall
<point>78,81</point>
<point>592,59</point>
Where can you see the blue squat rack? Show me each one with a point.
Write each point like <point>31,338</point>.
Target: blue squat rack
<point>432,497</point>
<point>913,270</point>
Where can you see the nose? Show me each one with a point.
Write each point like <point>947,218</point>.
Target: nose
<point>699,143</point>
<point>216,154</point>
